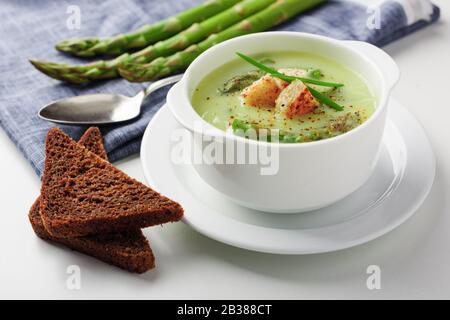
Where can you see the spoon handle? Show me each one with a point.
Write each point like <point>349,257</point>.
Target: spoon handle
<point>161,83</point>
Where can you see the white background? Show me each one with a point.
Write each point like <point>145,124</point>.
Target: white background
<point>414,259</point>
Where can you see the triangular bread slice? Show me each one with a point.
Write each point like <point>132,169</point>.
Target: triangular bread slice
<point>127,250</point>
<point>83,194</point>
<point>92,140</point>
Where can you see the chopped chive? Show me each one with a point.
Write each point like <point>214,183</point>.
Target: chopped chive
<point>325,100</point>
<point>257,63</point>
<point>282,76</point>
<point>319,83</point>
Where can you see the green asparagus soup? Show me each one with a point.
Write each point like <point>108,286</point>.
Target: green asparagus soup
<point>304,97</point>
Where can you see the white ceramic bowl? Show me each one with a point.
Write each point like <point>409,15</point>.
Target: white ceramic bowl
<point>310,175</point>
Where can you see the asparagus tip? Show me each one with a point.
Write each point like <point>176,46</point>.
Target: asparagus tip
<point>38,64</point>
<point>48,69</point>
<point>78,47</point>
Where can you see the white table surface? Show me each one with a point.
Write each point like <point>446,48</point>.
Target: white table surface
<point>414,259</point>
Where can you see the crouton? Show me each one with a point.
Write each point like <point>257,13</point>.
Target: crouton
<point>264,92</point>
<point>293,72</point>
<point>296,100</point>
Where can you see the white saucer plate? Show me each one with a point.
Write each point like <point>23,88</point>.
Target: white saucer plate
<point>401,181</point>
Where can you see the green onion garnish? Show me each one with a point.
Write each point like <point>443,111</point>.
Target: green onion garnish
<point>319,96</point>
<point>282,76</point>
<point>325,100</point>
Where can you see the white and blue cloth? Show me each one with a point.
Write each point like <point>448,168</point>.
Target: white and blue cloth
<point>31,28</point>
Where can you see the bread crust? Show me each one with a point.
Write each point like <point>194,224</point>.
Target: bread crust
<point>128,250</point>
<point>82,194</point>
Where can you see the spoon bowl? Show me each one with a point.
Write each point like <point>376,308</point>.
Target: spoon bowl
<point>100,108</point>
<point>93,108</point>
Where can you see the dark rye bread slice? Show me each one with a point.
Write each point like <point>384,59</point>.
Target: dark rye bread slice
<point>92,140</point>
<point>127,250</point>
<point>82,194</point>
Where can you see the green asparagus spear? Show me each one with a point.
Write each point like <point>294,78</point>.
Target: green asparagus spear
<point>197,32</point>
<point>273,15</point>
<point>103,69</point>
<point>145,35</point>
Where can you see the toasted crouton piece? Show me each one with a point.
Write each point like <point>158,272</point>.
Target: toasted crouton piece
<point>264,92</point>
<point>296,100</point>
<point>293,72</point>
<point>302,73</point>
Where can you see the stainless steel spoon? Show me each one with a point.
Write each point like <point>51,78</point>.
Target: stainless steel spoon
<point>100,108</point>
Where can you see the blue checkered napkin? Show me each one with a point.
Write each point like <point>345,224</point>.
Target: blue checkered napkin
<point>30,29</point>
